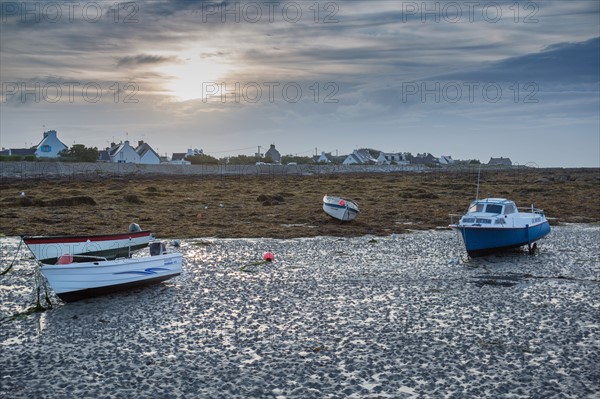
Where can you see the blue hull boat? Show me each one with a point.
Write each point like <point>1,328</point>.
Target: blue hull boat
<point>495,224</point>
<point>483,241</point>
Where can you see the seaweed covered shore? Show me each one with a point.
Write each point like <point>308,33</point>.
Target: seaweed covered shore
<point>284,206</point>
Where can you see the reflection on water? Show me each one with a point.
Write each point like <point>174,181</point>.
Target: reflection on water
<point>341,309</point>
<point>41,324</point>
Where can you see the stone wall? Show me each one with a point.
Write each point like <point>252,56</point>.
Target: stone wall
<point>77,171</point>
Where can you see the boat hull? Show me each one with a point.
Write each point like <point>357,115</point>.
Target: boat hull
<point>110,246</point>
<point>75,281</point>
<point>343,214</point>
<point>340,209</point>
<point>480,241</point>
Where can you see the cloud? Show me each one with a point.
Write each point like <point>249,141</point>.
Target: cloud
<point>146,59</point>
<point>215,54</point>
<point>559,63</point>
<point>369,52</point>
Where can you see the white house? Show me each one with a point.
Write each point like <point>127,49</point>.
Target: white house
<point>360,157</point>
<point>147,155</point>
<point>445,160</point>
<point>325,157</point>
<point>50,146</point>
<point>274,154</point>
<point>387,158</point>
<point>123,153</point>
<point>178,158</point>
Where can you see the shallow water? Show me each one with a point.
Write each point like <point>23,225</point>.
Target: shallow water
<point>331,317</point>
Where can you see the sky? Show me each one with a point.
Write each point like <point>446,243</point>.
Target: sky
<point>472,79</point>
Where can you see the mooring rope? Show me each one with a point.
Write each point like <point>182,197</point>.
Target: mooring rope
<point>37,291</point>
<point>39,282</point>
<point>2,273</point>
<point>464,257</point>
<point>257,263</point>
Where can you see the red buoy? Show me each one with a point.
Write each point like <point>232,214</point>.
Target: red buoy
<point>268,256</point>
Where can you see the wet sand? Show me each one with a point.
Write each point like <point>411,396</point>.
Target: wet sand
<point>227,206</point>
<point>378,317</point>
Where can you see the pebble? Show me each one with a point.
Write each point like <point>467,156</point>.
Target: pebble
<point>406,319</point>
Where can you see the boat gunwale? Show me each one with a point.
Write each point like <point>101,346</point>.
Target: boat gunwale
<point>37,240</point>
<point>108,263</point>
<point>338,206</point>
<point>494,227</point>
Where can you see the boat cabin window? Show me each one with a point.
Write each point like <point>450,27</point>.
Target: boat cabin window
<point>493,208</point>
<point>476,208</point>
<point>510,208</point>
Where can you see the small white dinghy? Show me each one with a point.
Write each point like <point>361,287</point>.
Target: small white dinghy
<point>339,208</point>
<point>73,281</point>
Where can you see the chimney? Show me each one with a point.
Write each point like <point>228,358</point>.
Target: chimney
<point>45,134</point>
<point>140,142</point>
<point>112,144</point>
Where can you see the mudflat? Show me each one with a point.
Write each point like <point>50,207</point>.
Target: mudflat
<point>285,206</point>
<point>389,317</point>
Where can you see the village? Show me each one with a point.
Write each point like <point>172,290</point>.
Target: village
<point>52,148</point>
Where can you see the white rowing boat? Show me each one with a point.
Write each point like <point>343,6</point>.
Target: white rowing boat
<point>339,208</point>
<point>78,280</point>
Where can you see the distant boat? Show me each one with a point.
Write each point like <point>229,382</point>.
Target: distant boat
<point>495,224</point>
<point>73,281</point>
<point>47,249</point>
<point>340,208</point>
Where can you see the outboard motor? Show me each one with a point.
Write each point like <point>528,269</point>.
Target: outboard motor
<point>157,248</point>
<point>134,228</point>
